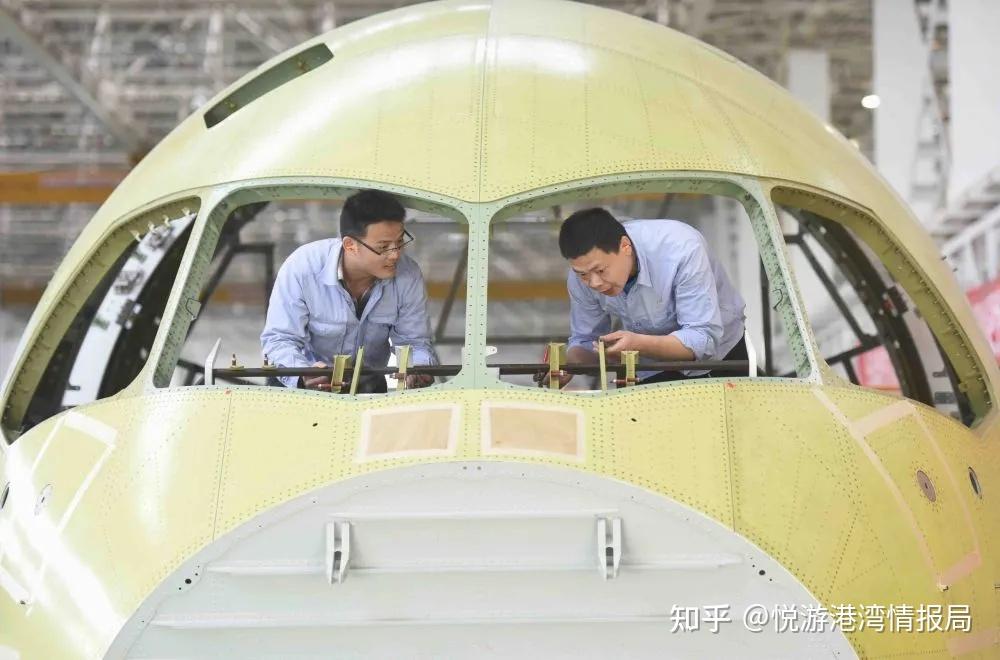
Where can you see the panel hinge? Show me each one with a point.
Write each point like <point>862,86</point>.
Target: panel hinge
<point>609,546</point>
<point>338,550</point>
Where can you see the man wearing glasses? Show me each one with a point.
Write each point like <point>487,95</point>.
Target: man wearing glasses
<point>673,298</point>
<point>335,295</point>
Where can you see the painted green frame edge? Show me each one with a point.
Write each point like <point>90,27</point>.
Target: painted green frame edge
<point>218,206</point>
<point>38,351</point>
<point>746,190</point>
<point>904,268</point>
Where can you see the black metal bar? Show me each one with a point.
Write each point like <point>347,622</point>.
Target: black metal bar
<point>230,241</point>
<point>220,271</point>
<point>253,248</point>
<point>189,373</point>
<point>851,374</point>
<point>194,368</point>
<point>501,340</point>
<point>449,302</point>
<point>867,344</point>
<point>505,369</point>
<point>765,306</point>
<point>313,372</point>
<point>739,366</point>
<point>831,288</point>
<point>892,329</point>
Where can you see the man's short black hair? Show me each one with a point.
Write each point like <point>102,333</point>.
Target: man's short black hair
<point>368,207</point>
<point>588,229</point>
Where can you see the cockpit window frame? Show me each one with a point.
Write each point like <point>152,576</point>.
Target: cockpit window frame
<point>33,360</point>
<point>220,206</point>
<point>905,269</point>
<point>748,191</point>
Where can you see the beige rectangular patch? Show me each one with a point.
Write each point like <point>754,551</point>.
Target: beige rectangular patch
<point>409,431</point>
<point>530,429</point>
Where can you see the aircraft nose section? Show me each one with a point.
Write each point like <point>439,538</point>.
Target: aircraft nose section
<point>454,558</point>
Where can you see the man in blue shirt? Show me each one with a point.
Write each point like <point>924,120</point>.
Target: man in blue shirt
<point>334,295</point>
<point>674,300</point>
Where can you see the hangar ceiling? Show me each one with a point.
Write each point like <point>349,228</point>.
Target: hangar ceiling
<point>89,85</point>
<point>148,64</point>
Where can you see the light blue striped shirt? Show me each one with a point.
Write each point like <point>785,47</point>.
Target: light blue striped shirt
<point>311,316</point>
<point>680,290</point>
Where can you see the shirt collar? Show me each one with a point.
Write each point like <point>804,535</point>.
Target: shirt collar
<point>333,271</point>
<point>335,266</point>
<point>642,277</point>
<point>629,283</point>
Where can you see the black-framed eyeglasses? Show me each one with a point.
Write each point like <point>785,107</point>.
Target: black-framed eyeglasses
<point>407,239</point>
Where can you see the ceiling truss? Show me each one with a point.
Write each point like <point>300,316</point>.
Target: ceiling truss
<point>90,85</point>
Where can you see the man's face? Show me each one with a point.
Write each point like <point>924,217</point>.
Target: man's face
<point>605,272</point>
<point>381,236</point>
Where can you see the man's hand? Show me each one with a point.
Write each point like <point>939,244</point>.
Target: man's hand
<point>574,355</point>
<point>321,383</point>
<point>419,380</point>
<point>542,377</point>
<point>622,340</point>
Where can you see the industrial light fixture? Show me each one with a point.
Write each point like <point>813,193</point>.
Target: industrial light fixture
<point>871,101</point>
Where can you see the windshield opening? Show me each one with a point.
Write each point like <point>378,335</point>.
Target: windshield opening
<point>674,295</point>
<point>329,293</point>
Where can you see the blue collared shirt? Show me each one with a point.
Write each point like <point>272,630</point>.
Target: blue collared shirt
<point>311,317</point>
<point>680,290</point>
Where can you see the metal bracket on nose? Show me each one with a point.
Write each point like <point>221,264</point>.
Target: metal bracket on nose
<point>557,358</point>
<point>603,362</point>
<point>609,546</point>
<point>338,550</point>
<point>629,358</point>
<point>340,363</point>
<point>359,361</point>
<point>402,364</point>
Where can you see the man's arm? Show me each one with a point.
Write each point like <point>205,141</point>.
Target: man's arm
<point>587,321</point>
<point>412,326</point>
<point>697,302</point>
<point>663,347</point>
<point>284,337</point>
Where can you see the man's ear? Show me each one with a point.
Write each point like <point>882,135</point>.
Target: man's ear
<point>625,245</point>
<point>350,244</point>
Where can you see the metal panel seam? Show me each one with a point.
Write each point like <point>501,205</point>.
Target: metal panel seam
<point>484,63</point>
<point>731,451</point>
<point>224,450</point>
